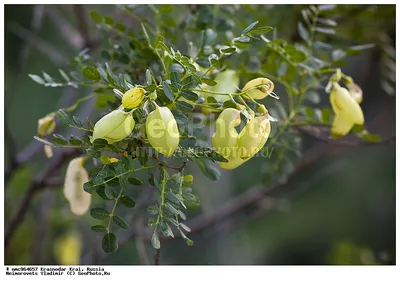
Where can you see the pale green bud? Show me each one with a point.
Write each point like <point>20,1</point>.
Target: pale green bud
<point>162,131</point>
<point>114,126</point>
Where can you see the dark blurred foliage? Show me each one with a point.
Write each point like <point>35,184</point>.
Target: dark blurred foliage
<point>339,210</point>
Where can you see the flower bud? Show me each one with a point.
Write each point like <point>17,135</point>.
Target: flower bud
<point>153,96</point>
<point>113,160</point>
<point>162,131</point>
<point>75,177</point>
<point>261,109</point>
<point>46,125</point>
<point>260,88</point>
<point>347,111</point>
<point>114,126</point>
<point>133,97</point>
<point>355,92</point>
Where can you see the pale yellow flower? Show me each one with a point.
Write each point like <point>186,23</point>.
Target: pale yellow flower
<point>347,111</point>
<point>75,177</point>
<point>133,97</point>
<point>162,131</point>
<point>114,126</point>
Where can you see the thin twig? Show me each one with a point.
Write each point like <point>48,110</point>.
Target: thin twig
<point>140,246</point>
<point>71,36</point>
<point>157,257</point>
<point>41,45</point>
<point>323,133</point>
<point>81,18</point>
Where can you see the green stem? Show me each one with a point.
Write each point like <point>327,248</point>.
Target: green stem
<point>163,184</point>
<point>79,101</point>
<point>114,207</point>
<point>124,173</point>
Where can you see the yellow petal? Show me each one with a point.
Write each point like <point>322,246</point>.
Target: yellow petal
<point>162,131</point>
<point>239,148</point>
<point>133,97</point>
<point>225,138</point>
<point>113,160</point>
<point>260,88</point>
<point>341,126</point>
<point>75,177</point>
<point>343,104</point>
<point>67,249</point>
<point>46,125</point>
<point>114,126</point>
<point>254,136</point>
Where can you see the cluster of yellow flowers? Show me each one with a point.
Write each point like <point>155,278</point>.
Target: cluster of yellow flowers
<point>237,147</point>
<point>161,126</point>
<point>162,130</point>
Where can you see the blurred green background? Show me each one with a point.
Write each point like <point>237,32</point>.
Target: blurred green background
<point>339,210</point>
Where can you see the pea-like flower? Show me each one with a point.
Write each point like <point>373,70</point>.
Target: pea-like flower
<point>76,176</point>
<point>162,131</point>
<point>347,111</point>
<point>46,125</point>
<point>114,126</point>
<point>225,138</point>
<point>133,97</point>
<point>239,148</point>
<point>258,88</point>
<point>254,136</point>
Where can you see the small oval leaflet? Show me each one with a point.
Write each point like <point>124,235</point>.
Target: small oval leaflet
<point>98,228</point>
<point>120,221</point>
<point>127,202</point>
<point>99,213</point>
<point>110,243</point>
<point>135,181</point>
<point>155,241</point>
